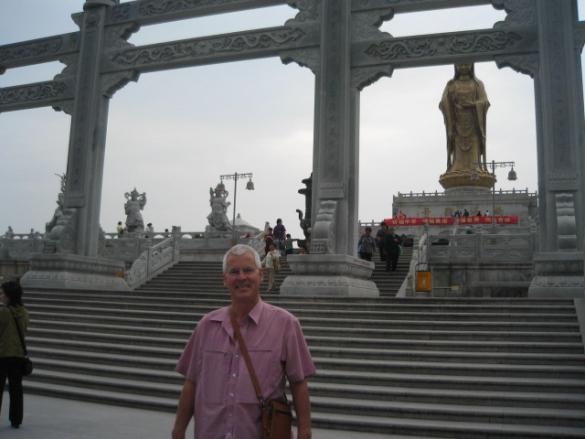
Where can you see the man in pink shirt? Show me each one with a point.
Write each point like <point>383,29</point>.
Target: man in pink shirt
<point>218,390</point>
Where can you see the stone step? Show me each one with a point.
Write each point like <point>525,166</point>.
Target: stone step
<point>348,315</point>
<point>385,425</point>
<point>386,334</point>
<point>434,381</point>
<point>342,357</point>
<point>189,321</point>
<point>444,429</point>
<point>440,302</point>
<point>361,344</point>
<point>379,306</point>
<point>394,409</point>
<point>347,391</point>
<point>450,412</point>
<point>451,396</point>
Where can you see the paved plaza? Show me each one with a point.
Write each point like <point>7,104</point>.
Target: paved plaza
<point>52,418</point>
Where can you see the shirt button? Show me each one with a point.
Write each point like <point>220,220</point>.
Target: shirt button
<point>231,394</point>
<point>234,375</point>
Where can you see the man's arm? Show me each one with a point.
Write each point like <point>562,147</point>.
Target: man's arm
<point>184,410</point>
<point>300,392</point>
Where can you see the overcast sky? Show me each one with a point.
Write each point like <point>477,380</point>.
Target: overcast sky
<point>173,133</point>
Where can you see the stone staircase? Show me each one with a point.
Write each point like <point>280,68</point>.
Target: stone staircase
<point>202,277</point>
<point>465,368</point>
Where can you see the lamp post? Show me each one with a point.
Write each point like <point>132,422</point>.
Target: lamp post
<point>249,186</point>
<point>511,176</point>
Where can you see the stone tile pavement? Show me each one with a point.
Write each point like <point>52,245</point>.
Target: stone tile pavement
<point>52,418</point>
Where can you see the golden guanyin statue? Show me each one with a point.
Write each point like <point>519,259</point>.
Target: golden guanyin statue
<point>464,106</point>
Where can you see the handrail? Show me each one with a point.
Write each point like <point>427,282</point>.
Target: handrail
<point>152,262</point>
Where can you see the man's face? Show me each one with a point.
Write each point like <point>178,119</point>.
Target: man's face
<point>242,277</point>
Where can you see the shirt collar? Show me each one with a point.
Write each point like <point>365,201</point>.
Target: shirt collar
<point>223,316</point>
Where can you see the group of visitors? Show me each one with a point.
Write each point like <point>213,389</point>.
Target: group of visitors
<point>277,244</point>
<point>465,213</point>
<point>387,242</point>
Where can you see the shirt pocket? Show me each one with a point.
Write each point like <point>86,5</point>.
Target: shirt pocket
<point>214,373</point>
<point>268,369</point>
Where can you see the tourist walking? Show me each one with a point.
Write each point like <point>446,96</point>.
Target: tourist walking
<point>391,249</point>
<point>271,264</point>
<point>120,229</point>
<point>288,245</point>
<point>380,239</point>
<point>268,239</point>
<point>217,390</point>
<point>366,245</point>
<point>279,233</point>
<point>12,313</point>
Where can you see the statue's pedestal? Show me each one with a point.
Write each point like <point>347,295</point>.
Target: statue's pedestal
<point>558,274</point>
<point>473,178</point>
<point>329,275</point>
<point>74,272</point>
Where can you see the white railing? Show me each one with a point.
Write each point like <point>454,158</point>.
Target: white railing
<point>418,259</point>
<point>424,194</point>
<point>152,262</point>
<point>481,248</point>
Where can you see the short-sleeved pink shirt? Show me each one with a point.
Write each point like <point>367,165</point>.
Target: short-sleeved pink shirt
<point>226,406</point>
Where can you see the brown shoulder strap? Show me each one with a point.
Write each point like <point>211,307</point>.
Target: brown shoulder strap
<point>247,359</point>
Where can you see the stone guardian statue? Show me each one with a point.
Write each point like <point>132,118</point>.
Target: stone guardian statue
<point>464,105</point>
<point>134,204</point>
<point>219,223</point>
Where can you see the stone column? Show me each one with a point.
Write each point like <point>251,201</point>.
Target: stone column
<point>88,132</point>
<point>76,265</point>
<point>559,262</point>
<point>332,267</point>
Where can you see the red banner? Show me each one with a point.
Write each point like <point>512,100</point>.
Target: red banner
<point>448,220</point>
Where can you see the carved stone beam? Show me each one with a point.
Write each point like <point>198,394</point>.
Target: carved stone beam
<point>211,50</point>
<point>448,48</point>
<point>39,94</point>
<point>38,51</point>
<point>412,5</point>
<point>159,11</point>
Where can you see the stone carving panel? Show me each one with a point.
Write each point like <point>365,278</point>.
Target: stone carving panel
<point>566,221</point>
<point>33,95</point>
<point>527,64</point>
<point>190,50</point>
<point>310,58</point>
<point>361,77</point>
<point>32,52</point>
<point>520,12</point>
<point>464,43</point>
<point>113,82</point>
<point>308,11</point>
<point>323,233</point>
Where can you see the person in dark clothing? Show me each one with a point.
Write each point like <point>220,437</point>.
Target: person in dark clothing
<point>391,249</point>
<point>12,312</point>
<point>366,245</point>
<point>380,239</point>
